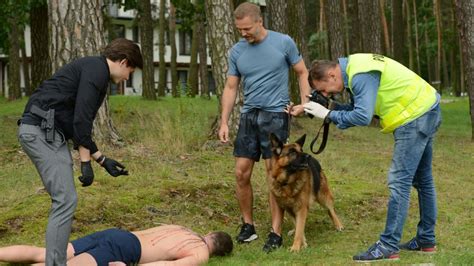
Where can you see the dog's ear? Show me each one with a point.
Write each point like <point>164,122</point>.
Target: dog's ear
<point>277,145</point>
<point>301,140</point>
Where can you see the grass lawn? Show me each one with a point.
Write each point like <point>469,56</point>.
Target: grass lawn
<point>178,176</point>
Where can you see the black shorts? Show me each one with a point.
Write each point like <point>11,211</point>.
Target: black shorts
<point>110,245</point>
<point>252,139</point>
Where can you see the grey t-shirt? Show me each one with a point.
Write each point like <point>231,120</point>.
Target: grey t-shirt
<point>264,69</point>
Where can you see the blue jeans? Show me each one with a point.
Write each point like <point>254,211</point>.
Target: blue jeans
<point>411,165</point>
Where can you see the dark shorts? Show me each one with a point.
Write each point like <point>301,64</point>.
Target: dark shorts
<point>110,245</point>
<point>252,140</point>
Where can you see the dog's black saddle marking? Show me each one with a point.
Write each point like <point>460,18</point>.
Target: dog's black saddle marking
<point>315,168</point>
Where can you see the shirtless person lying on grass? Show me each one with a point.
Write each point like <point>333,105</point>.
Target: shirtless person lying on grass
<point>165,244</point>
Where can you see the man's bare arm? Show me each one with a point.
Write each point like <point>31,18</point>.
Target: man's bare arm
<point>227,103</point>
<point>305,89</point>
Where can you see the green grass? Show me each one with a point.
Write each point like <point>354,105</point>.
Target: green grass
<point>176,178</point>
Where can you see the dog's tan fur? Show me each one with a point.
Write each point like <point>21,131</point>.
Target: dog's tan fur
<point>293,188</point>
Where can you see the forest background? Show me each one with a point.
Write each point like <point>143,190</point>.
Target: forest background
<point>180,174</point>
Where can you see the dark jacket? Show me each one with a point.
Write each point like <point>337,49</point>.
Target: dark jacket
<point>76,92</point>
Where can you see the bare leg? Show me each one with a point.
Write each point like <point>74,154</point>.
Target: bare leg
<point>22,253</point>
<point>276,212</point>
<point>243,172</point>
<point>28,254</point>
<point>82,259</point>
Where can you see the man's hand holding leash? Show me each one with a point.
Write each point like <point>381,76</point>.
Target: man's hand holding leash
<point>294,110</point>
<point>316,110</point>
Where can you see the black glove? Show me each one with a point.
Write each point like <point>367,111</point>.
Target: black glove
<point>113,167</point>
<point>87,174</point>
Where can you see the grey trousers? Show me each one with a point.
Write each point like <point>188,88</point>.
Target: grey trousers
<point>54,164</point>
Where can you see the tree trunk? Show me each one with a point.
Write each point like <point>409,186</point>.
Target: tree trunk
<point>221,35</point>
<point>26,67</point>
<point>335,29</point>
<point>427,54</point>
<point>77,30</point>
<point>346,27</point>
<point>411,63</point>
<point>322,29</point>
<point>437,14</point>
<point>297,18</point>
<point>277,16</point>
<point>193,75</point>
<point>174,71</point>
<point>355,28</point>
<point>453,64</point>
<point>461,66</point>
<point>465,15</point>
<point>398,33</point>
<point>161,46</point>
<point>203,73</point>
<point>417,38</point>
<point>386,34</point>
<point>146,41</point>
<point>369,16</point>
<point>14,79</point>
<point>40,60</point>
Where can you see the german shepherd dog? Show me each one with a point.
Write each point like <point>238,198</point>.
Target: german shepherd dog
<point>298,180</point>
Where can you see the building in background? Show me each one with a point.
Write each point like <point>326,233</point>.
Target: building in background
<point>124,25</point>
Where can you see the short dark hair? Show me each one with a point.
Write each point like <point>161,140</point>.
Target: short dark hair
<point>222,243</point>
<point>319,68</point>
<point>120,49</point>
<point>247,10</point>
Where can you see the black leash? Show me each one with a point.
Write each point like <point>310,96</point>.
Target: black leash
<point>325,125</point>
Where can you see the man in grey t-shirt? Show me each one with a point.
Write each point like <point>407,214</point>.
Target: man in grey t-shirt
<point>262,60</point>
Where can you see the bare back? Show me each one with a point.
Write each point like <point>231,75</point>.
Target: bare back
<point>172,243</point>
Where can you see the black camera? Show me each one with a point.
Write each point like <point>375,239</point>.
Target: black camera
<point>317,97</point>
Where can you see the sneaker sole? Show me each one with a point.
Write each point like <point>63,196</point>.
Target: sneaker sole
<point>369,261</point>
<point>427,251</point>
<point>248,240</point>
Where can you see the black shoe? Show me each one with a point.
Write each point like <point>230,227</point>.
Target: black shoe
<point>247,234</point>
<point>274,241</point>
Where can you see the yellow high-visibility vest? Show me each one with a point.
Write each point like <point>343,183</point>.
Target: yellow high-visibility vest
<point>402,97</point>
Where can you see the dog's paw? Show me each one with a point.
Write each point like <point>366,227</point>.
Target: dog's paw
<point>340,228</point>
<point>295,248</point>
